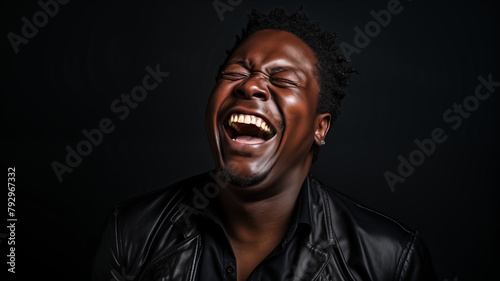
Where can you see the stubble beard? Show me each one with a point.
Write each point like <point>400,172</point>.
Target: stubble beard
<point>230,176</point>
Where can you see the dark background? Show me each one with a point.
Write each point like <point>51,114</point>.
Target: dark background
<point>66,77</point>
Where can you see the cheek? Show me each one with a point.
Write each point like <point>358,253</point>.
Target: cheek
<point>210,113</point>
<point>299,135</point>
<point>214,102</point>
<point>298,112</point>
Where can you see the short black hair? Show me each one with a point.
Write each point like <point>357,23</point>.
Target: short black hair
<point>332,72</point>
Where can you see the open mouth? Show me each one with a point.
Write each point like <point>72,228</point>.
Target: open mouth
<point>248,129</point>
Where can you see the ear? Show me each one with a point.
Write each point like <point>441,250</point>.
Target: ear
<point>322,126</point>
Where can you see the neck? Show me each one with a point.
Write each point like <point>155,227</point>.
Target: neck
<point>259,212</point>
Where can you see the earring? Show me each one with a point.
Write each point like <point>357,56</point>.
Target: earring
<point>323,142</point>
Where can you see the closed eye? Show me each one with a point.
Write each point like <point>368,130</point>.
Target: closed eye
<point>282,82</point>
<point>233,76</point>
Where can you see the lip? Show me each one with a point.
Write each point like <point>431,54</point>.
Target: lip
<point>243,147</point>
<point>242,110</point>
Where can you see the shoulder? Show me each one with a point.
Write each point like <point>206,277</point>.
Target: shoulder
<point>364,234</point>
<point>158,202</point>
<point>141,229</point>
<point>349,213</point>
<point>354,216</point>
<point>144,219</point>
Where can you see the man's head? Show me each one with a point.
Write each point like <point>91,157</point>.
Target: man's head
<point>276,94</point>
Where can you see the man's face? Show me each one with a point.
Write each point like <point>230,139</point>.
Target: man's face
<point>261,117</point>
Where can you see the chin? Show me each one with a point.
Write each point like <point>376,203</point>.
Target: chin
<point>233,178</point>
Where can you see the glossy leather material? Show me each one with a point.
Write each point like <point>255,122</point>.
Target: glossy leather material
<point>155,237</point>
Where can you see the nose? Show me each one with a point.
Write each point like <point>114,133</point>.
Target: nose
<point>255,86</point>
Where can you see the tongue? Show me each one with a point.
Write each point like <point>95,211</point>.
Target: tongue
<point>248,140</point>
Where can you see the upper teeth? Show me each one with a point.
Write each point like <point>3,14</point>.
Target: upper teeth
<point>249,119</point>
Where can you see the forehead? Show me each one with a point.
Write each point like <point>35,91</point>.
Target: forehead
<point>276,47</point>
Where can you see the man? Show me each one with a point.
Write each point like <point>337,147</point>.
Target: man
<point>260,215</point>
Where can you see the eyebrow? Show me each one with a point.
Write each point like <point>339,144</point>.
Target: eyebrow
<point>241,63</point>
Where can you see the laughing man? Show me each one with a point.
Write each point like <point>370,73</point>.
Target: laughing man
<point>260,215</point>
